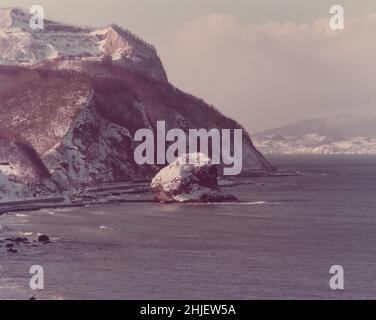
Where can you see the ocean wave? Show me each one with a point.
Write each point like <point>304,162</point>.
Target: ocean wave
<point>21,215</point>
<point>57,210</point>
<point>255,203</point>
<point>106,228</point>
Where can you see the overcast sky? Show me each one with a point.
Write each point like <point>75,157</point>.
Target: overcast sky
<point>263,62</point>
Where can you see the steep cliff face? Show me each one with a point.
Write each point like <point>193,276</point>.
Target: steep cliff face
<point>20,167</point>
<point>75,97</point>
<point>81,128</point>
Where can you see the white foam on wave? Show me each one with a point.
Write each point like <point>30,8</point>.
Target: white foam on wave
<point>22,215</point>
<point>47,211</point>
<point>106,228</point>
<point>63,209</point>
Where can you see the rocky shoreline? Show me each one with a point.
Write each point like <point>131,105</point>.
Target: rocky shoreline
<point>12,245</point>
<point>113,193</point>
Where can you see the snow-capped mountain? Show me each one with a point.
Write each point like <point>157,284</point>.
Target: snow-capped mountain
<point>343,134</point>
<point>72,98</point>
<point>20,45</point>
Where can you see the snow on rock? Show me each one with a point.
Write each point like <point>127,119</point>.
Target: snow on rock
<point>191,178</point>
<point>9,188</point>
<point>20,45</point>
<point>94,149</point>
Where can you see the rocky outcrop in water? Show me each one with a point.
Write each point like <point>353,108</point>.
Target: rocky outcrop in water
<point>191,178</point>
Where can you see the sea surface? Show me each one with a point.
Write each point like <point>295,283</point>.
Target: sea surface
<point>278,242</point>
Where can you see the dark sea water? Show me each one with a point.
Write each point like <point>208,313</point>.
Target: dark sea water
<point>279,242</point>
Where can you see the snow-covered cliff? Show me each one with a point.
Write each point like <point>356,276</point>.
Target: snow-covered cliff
<point>20,45</point>
<point>73,98</point>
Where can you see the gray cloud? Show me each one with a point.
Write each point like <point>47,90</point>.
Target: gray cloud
<point>270,74</point>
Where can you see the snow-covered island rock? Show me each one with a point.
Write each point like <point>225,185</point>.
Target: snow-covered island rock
<point>191,178</point>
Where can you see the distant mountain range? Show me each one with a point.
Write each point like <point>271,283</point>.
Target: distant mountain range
<point>342,134</point>
<point>71,99</point>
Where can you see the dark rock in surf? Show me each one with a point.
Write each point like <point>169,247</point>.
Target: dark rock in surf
<point>43,238</point>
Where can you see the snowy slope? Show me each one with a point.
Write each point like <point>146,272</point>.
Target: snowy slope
<point>20,45</point>
<point>343,134</point>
